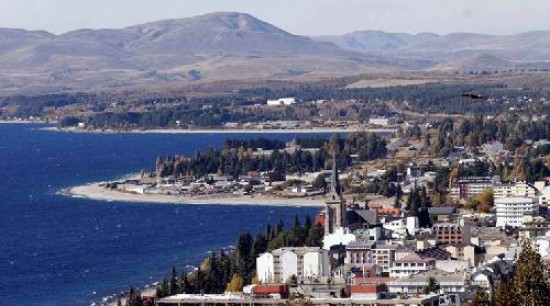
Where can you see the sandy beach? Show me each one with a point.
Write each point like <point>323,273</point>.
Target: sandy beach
<point>23,122</point>
<point>223,131</point>
<point>96,192</point>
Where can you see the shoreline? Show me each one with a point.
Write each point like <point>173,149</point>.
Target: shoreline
<point>221,131</point>
<point>95,192</point>
<point>24,122</point>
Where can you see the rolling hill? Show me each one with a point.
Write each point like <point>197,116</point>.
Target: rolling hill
<point>238,46</point>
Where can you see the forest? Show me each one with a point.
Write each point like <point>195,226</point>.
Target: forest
<point>238,157</point>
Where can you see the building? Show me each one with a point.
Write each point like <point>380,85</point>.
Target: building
<point>303,262</point>
<point>452,233</point>
<point>544,198</point>
<point>335,207</point>
<point>516,189</point>
<point>509,211</point>
<point>381,121</point>
<point>414,171</point>
<point>367,291</point>
<point>384,256</point>
<point>492,149</point>
<point>411,264</point>
<point>470,187</point>
<point>233,299</point>
<point>452,265</point>
<point>533,227</point>
<point>454,282</point>
<point>335,227</point>
<point>442,213</point>
<point>401,227</point>
<point>359,254</point>
<point>471,253</point>
<point>282,101</point>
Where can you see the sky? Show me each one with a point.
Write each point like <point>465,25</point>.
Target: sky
<point>303,17</point>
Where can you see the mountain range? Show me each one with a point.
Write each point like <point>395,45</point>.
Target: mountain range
<point>238,46</point>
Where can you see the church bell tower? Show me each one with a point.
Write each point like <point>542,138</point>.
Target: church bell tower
<point>335,208</point>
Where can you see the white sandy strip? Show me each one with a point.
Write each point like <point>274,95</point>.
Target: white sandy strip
<point>22,122</point>
<point>224,131</point>
<point>96,192</point>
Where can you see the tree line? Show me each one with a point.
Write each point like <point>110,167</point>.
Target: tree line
<point>235,162</point>
<point>231,270</point>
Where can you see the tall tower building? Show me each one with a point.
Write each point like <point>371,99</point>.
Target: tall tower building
<point>335,206</point>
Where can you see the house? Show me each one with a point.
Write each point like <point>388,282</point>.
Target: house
<point>402,227</point>
<point>381,121</point>
<point>411,264</point>
<point>453,265</point>
<point>449,282</point>
<point>282,101</point>
<point>413,171</point>
<point>471,253</point>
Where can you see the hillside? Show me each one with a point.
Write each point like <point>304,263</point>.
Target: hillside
<point>215,46</point>
<point>237,46</point>
<point>446,50</point>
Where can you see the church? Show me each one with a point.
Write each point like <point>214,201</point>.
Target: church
<point>335,227</point>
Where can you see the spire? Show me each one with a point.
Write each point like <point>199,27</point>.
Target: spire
<point>335,180</point>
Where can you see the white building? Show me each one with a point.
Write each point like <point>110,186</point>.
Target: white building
<point>265,268</point>
<point>316,264</point>
<point>509,211</point>
<point>452,265</point>
<point>359,254</point>
<point>341,235</point>
<point>544,198</point>
<point>411,264</point>
<point>448,282</point>
<point>470,187</point>
<point>303,262</point>
<point>517,189</point>
<point>282,101</point>
<point>402,227</point>
<point>381,121</point>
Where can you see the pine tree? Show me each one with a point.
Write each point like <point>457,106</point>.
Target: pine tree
<point>260,245</point>
<point>236,284</point>
<point>481,299</point>
<point>308,223</point>
<point>134,298</point>
<point>174,286</point>
<point>432,286</point>
<point>503,294</point>
<point>529,284</point>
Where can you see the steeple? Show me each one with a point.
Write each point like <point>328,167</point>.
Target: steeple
<point>335,180</point>
<point>335,209</point>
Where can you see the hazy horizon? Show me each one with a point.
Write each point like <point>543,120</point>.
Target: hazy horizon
<point>307,17</point>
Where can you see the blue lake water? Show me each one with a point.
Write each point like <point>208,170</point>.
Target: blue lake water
<point>57,250</point>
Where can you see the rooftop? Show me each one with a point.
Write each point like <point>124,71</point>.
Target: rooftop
<point>413,257</point>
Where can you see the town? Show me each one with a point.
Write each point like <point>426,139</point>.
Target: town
<point>400,226</point>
